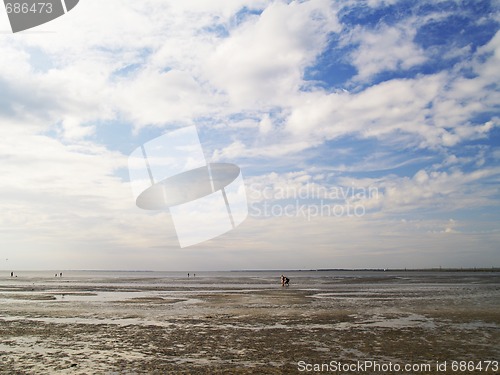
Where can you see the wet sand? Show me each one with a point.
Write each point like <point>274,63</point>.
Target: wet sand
<point>247,324</point>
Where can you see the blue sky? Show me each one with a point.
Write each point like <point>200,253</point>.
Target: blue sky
<point>310,98</point>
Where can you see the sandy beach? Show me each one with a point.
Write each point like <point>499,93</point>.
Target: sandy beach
<point>246,323</point>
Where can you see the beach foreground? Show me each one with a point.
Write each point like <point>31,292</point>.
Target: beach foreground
<point>246,323</point>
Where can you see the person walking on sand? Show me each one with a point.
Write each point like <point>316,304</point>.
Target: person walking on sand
<point>285,280</point>
<point>12,274</point>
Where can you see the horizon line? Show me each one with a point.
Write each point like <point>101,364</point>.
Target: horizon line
<point>396,269</point>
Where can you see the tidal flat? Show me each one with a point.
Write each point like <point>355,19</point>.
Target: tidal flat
<point>247,323</point>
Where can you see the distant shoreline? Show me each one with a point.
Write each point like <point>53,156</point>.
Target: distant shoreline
<point>475,269</point>
<point>471,269</point>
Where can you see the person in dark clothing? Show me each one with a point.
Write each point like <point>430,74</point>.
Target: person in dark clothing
<point>284,280</point>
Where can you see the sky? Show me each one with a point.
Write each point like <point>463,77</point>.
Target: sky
<point>367,132</point>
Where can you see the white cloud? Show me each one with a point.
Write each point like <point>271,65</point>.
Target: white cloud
<point>263,60</point>
<point>378,3</point>
<point>158,98</point>
<point>70,96</point>
<point>185,72</point>
<point>265,125</point>
<point>439,191</point>
<point>466,97</point>
<point>54,194</point>
<point>386,48</point>
<point>380,110</point>
<point>438,109</point>
<point>165,43</point>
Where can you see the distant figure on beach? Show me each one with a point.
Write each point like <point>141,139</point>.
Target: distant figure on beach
<point>188,274</point>
<point>284,280</point>
<point>12,274</point>
<point>60,275</point>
